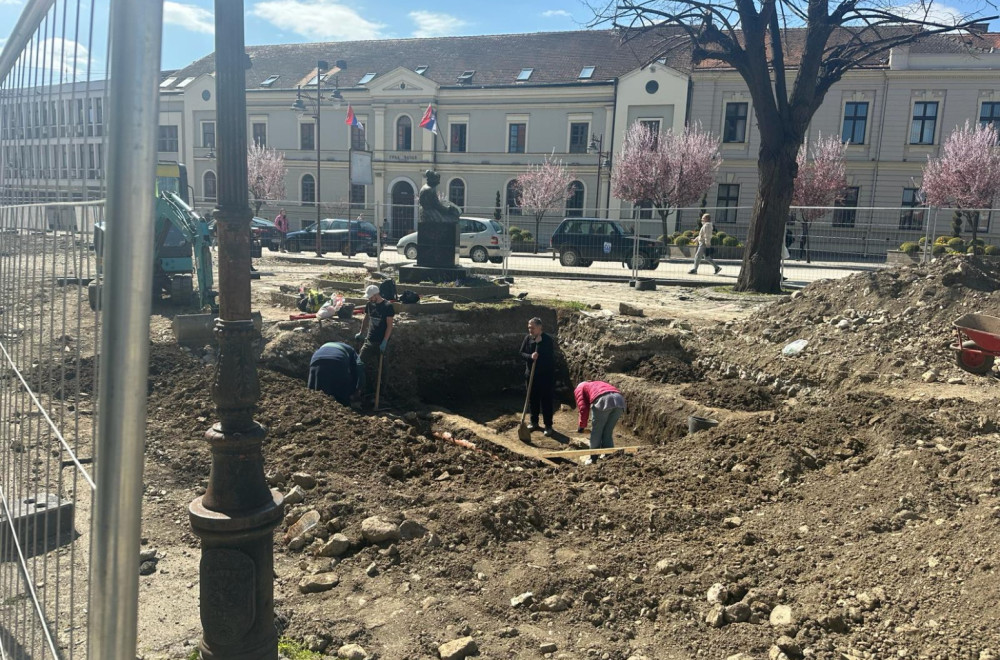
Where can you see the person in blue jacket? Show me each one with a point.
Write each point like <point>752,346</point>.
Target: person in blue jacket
<point>336,369</point>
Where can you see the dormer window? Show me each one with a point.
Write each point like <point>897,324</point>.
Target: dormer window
<point>466,76</point>
<point>587,72</point>
<point>168,82</point>
<point>367,78</point>
<point>420,70</point>
<point>524,75</point>
<point>184,83</point>
<point>270,80</point>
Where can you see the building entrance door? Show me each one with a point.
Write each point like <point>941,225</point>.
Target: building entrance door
<point>402,209</point>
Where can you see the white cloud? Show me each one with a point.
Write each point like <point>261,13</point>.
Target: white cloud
<point>11,2</point>
<point>930,11</point>
<point>562,13</point>
<point>189,17</point>
<point>61,56</point>
<point>317,19</point>
<point>431,24</point>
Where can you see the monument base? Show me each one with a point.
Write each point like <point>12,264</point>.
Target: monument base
<point>437,244</point>
<point>417,274</point>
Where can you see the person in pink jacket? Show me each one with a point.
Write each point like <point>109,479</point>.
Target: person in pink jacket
<point>607,403</point>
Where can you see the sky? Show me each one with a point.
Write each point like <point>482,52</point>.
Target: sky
<point>189,24</point>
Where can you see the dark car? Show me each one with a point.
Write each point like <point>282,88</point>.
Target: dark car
<point>266,233</point>
<point>346,236</point>
<point>582,241</point>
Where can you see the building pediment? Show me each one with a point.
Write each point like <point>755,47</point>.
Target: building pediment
<point>401,82</point>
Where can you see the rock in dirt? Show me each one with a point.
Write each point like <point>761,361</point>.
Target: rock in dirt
<point>147,568</point>
<point>930,376</point>
<point>557,603</point>
<point>306,522</point>
<point>716,616</point>
<point>548,647</point>
<point>781,615</point>
<point>396,471</point>
<point>458,649</point>
<point>737,613</point>
<point>372,570</point>
<point>672,567</point>
<point>629,310</point>
<point>317,583</point>
<point>775,653</point>
<point>523,600</point>
<point>732,522</point>
<point>352,652</point>
<point>295,496</point>
<point>304,479</point>
<point>411,529</point>
<point>149,554</point>
<point>789,646</point>
<point>337,546</point>
<point>718,594</point>
<point>379,530</point>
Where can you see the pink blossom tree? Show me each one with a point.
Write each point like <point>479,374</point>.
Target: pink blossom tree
<point>669,170</point>
<point>265,175</point>
<point>822,179</point>
<point>966,175</point>
<point>543,188</point>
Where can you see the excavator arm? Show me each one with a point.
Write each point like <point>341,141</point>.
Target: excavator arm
<point>170,208</point>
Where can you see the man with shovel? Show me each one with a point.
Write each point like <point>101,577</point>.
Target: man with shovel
<point>538,351</point>
<point>378,319</point>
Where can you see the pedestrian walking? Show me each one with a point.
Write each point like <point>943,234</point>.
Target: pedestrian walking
<point>378,320</point>
<point>804,242</point>
<point>705,248</point>
<point>336,369</point>
<point>281,225</point>
<point>607,404</point>
<point>539,349</point>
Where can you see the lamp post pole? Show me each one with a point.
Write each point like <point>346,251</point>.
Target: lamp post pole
<point>321,66</point>
<point>596,147</point>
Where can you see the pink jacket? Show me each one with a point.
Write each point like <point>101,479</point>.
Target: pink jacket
<point>281,224</point>
<point>585,394</point>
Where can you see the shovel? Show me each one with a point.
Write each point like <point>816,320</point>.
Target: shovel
<point>378,380</point>
<point>523,434</point>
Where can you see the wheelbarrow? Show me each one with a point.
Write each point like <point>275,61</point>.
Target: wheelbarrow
<point>978,342</point>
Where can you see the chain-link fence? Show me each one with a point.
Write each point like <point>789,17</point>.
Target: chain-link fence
<point>78,99</point>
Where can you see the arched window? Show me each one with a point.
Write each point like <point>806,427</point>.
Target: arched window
<point>308,195</point>
<point>456,192</point>
<point>208,187</point>
<point>513,193</point>
<point>404,134</point>
<point>574,205</point>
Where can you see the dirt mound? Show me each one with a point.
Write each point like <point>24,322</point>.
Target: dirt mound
<point>665,368</point>
<point>731,395</point>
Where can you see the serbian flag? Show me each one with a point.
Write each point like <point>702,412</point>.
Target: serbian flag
<point>429,120</point>
<point>352,119</point>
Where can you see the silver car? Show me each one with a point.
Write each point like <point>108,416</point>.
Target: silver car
<point>481,239</point>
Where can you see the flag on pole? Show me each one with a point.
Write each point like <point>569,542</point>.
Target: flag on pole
<point>352,119</point>
<point>429,120</point>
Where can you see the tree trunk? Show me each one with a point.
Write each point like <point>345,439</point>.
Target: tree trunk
<point>663,221</point>
<point>538,223</point>
<point>761,271</point>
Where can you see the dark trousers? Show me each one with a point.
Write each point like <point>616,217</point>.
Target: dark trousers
<point>370,354</point>
<point>543,391</point>
<point>804,247</point>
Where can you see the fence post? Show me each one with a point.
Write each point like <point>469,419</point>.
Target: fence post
<point>133,115</point>
<point>237,514</point>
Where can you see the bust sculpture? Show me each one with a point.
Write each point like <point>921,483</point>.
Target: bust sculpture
<point>432,208</point>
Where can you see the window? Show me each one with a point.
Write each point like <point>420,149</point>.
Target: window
<point>208,187</point>
<point>184,83</point>
<point>586,72</point>
<point>924,122</point>
<point>308,192</point>
<point>579,132</point>
<point>168,139</point>
<point>846,212</point>
<point>654,127</point>
<point>990,114</point>
<point>168,82</point>
<point>513,195</point>
<point>459,134</point>
<point>574,204</point>
<point>421,70</point>
<point>208,134</point>
<point>516,134</point>
<point>358,137</point>
<point>367,78</point>
<point>734,128</point>
<point>357,197</point>
<point>270,80</point>
<point>855,122</point>
<point>456,192</point>
<point>466,76</point>
<point>727,200</point>
<point>260,133</point>
<point>404,134</point>
<point>307,136</point>
<point>645,210</point>
<point>910,218</point>
<point>524,75</point>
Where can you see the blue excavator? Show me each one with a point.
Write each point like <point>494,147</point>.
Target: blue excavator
<point>182,256</point>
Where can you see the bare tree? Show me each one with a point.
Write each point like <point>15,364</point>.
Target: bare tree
<point>265,175</point>
<point>767,42</point>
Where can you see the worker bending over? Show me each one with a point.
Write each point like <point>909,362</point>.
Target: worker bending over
<point>335,368</point>
<point>378,320</point>
<point>607,403</point>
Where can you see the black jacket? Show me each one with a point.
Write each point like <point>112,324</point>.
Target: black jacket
<point>336,369</point>
<point>546,369</point>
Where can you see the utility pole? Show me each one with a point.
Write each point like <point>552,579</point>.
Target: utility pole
<point>236,516</point>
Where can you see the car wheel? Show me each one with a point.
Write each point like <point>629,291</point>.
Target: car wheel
<point>653,262</point>
<point>586,262</point>
<point>496,260</point>
<point>410,252</point>
<point>372,253</point>
<point>638,262</point>
<point>479,255</point>
<point>293,246</point>
<point>345,249</point>
<point>569,258</point>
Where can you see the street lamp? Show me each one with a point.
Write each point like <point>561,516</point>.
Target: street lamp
<point>300,106</point>
<point>603,161</point>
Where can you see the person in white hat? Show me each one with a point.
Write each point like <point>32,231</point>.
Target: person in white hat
<point>378,320</point>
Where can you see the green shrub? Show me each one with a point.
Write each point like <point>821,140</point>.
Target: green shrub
<point>956,244</point>
<point>942,240</point>
<point>527,236</point>
<point>978,242</point>
<point>922,241</point>
<point>975,249</point>
<point>731,241</point>
<point>690,233</point>
<point>910,247</point>
<point>716,240</point>
<point>991,250</point>
<point>682,241</point>
<point>722,235</point>
<point>938,249</point>
<point>515,234</point>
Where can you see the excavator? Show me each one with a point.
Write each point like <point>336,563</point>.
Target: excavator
<point>181,255</point>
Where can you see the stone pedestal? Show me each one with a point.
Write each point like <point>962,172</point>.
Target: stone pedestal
<point>437,248</point>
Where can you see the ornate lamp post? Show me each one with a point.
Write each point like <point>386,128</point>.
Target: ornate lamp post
<point>300,106</point>
<point>603,161</point>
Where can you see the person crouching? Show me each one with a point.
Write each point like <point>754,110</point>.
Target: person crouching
<point>608,404</point>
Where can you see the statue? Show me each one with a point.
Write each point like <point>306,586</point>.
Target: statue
<point>432,208</point>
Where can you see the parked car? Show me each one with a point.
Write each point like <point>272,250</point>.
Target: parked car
<point>266,233</point>
<point>480,239</point>
<point>347,236</point>
<point>582,241</point>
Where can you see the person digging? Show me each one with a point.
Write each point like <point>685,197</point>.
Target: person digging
<point>378,320</point>
<point>538,350</point>
<point>337,370</point>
